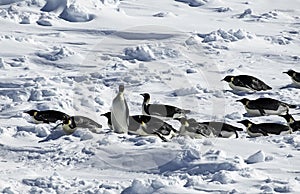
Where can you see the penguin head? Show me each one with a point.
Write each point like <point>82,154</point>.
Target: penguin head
<point>31,112</point>
<point>121,88</point>
<point>244,101</point>
<point>290,72</point>
<point>246,122</point>
<point>289,118</point>
<point>146,97</point>
<point>69,121</point>
<point>228,78</point>
<point>107,115</point>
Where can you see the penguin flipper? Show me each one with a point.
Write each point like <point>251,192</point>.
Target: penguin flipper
<point>262,112</point>
<point>161,137</point>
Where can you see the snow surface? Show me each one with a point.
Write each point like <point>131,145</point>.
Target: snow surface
<point>72,55</point>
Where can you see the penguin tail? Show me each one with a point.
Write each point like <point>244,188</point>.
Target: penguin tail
<point>292,106</point>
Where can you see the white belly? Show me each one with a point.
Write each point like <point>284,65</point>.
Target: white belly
<point>296,83</point>
<point>228,134</point>
<point>119,117</point>
<point>254,134</point>
<point>68,130</point>
<point>255,112</point>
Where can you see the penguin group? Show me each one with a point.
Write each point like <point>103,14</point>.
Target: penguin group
<point>154,117</point>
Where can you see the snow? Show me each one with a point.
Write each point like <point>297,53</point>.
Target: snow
<point>71,56</point>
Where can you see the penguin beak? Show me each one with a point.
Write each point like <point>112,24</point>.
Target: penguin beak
<point>238,100</point>
<point>285,72</point>
<point>142,95</point>
<point>222,79</point>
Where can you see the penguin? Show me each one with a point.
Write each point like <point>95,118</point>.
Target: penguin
<point>264,129</point>
<point>265,106</point>
<point>70,124</point>
<point>224,130</point>
<point>120,112</point>
<point>293,124</point>
<point>161,110</point>
<point>246,83</point>
<point>147,125</point>
<point>295,76</point>
<point>195,130</point>
<point>47,116</point>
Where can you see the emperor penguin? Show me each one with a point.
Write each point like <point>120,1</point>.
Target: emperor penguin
<point>295,76</point>
<point>70,124</point>
<point>147,125</point>
<point>246,83</point>
<point>265,106</point>
<point>120,112</point>
<point>294,125</point>
<point>224,130</point>
<point>46,116</point>
<point>264,129</point>
<point>195,130</point>
<point>161,110</point>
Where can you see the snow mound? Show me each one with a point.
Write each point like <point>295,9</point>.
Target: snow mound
<point>75,13</point>
<point>226,36</point>
<point>256,157</point>
<point>185,91</point>
<point>54,5</point>
<point>194,3</point>
<point>164,14</point>
<point>57,53</point>
<point>281,40</point>
<point>143,187</point>
<point>150,52</point>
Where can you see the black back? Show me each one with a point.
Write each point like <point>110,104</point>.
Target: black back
<point>270,128</point>
<point>163,110</point>
<point>50,116</point>
<point>250,82</point>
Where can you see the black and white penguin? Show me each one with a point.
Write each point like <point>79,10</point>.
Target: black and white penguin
<point>264,129</point>
<point>294,125</point>
<point>161,110</point>
<point>224,130</point>
<point>246,83</point>
<point>195,130</point>
<point>295,76</point>
<point>147,125</point>
<point>47,116</point>
<point>265,106</point>
<point>120,112</point>
<point>70,124</point>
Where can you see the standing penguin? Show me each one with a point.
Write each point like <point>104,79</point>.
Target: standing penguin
<point>246,83</point>
<point>295,76</point>
<point>265,106</point>
<point>294,125</point>
<point>120,112</point>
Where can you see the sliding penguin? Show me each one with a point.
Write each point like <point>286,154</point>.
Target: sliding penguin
<point>264,129</point>
<point>46,116</point>
<point>246,83</point>
<point>223,129</point>
<point>294,125</point>
<point>193,129</point>
<point>70,124</point>
<point>120,112</point>
<point>161,110</point>
<point>146,125</point>
<point>265,106</point>
<point>295,76</point>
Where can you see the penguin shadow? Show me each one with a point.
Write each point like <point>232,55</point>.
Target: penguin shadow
<point>238,92</point>
<point>54,135</point>
<point>290,86</point>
